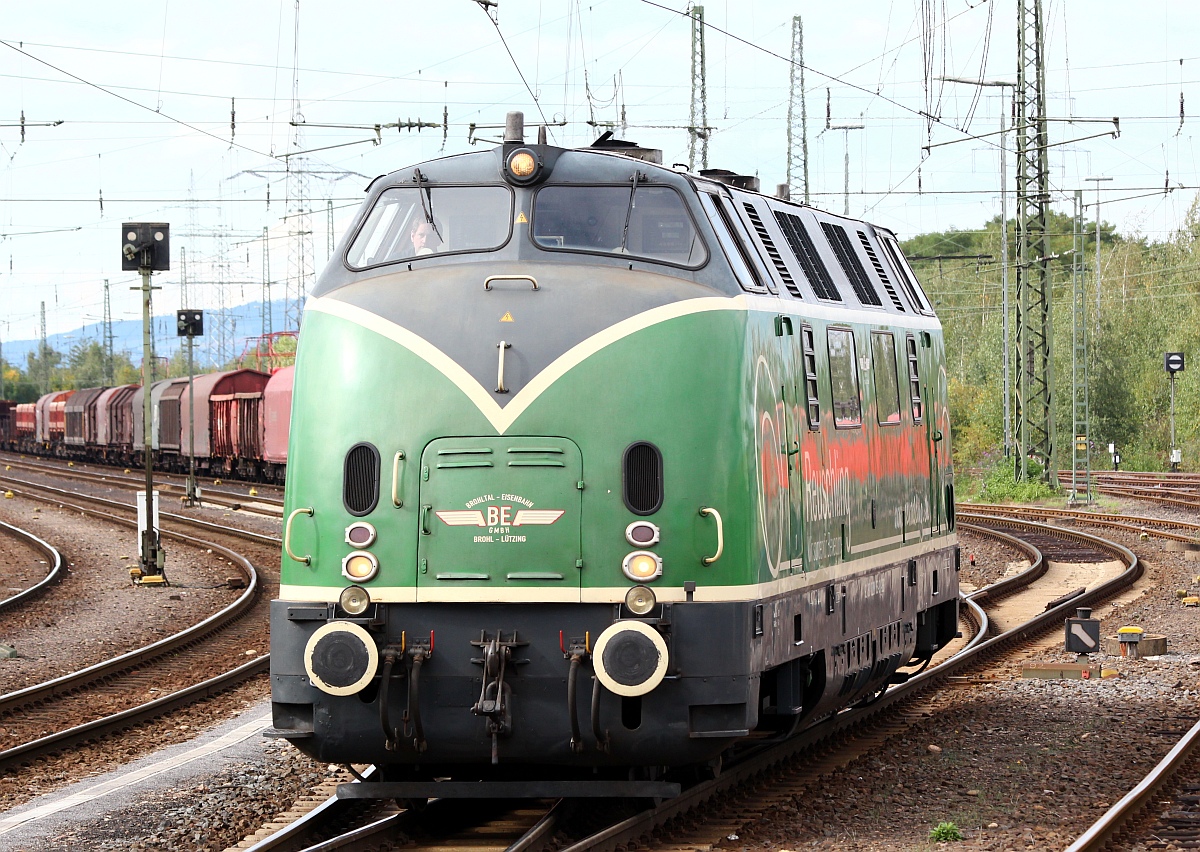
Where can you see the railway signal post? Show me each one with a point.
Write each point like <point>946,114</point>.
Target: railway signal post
<point>146,248</point>
<point>1173,363</point>
<point>190,324</point>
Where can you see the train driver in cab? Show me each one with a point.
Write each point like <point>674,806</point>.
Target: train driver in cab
<point>425,238</point>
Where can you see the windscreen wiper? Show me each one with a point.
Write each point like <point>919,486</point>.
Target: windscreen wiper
<point>426,196</point>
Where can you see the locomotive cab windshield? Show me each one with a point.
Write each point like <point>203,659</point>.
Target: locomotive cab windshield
<point>462,219</point>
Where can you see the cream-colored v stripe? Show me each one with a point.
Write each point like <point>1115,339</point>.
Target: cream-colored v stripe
<point>502,418</point>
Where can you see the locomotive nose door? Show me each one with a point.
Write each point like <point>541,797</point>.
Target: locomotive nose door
<point>498,516</point>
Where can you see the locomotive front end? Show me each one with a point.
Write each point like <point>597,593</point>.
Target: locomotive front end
<point>512,530</point>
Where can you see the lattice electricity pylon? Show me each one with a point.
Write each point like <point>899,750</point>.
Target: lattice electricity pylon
<point>1035,337</point>
<point>797,137</point>
<point>698,118</point>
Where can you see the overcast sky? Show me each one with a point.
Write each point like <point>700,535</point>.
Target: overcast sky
<point>145,91</point>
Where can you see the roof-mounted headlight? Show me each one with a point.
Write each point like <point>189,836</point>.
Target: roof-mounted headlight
<point>522,166</point>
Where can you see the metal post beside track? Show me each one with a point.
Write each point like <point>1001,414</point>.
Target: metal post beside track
<point>145,247</point>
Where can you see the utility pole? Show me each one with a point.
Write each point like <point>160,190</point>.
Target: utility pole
<point>1001,84</point>
<point>266,285</point>
<point>146,248</point>
<point>845,128</point>
<point>797,102</point>
<point>329,241</point>
<point>1035,334</point>
<point>298,213</point>
<point>1096,272</point>
<point>109,366</point>
<point>1081,465</point>
<point>698,117</point>
<point>44,353</point>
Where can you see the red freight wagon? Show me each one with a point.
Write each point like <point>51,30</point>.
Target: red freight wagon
<point>114,418</point>
<point>8,424</point>
<point>80,416</point>
<point>277,415</point>
<point>54,422</point>
<point>26,419</point>
<point>227,417</point>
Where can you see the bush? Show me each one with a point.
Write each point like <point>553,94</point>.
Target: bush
<point>1000,485</point>
<point>945,831</point>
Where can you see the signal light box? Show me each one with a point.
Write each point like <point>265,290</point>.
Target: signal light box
<point>145,245</point>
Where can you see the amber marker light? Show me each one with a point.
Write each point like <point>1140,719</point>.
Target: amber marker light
<point>639,600</point>
<point>360,566</point>
<point>354,600</point>
<point>522,166</point>
<point>642,566</point>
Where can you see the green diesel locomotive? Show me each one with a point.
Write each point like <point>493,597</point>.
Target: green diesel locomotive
<point>598,468</point>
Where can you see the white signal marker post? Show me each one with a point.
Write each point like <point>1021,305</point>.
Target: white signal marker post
<point>1173,362</point>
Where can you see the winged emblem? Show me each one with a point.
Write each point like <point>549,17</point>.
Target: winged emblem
<point>537,517</point>
<point>462,518</point>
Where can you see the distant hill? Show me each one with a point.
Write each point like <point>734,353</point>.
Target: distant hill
<point>245,323</point>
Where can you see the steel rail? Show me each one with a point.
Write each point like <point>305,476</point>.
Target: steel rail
<point>629,831</point>
<point>222,498</point>
<point>98,468</point>
<point>52,576</point>
<point>1113,821</point>
<point>194,634</point>
<point>249,535</point>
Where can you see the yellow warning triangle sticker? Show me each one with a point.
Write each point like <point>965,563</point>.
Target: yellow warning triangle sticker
<point>521,220</point>
<point>507,317</point>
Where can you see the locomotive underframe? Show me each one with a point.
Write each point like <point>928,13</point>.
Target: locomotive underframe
<point>733,667</point>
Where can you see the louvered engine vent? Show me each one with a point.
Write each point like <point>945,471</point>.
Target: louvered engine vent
<point>642,475</point>
<point>360,479</point>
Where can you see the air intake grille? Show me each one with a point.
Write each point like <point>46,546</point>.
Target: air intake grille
<point>887,283</point>
<point>642,476</point>
<point>769,245</point>
<point>806,253</point>
<point>360,479</point>
<point>850,264</point>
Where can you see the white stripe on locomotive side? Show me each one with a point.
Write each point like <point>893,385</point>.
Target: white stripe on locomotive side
<point>502,418</point>
<point>545,593</point>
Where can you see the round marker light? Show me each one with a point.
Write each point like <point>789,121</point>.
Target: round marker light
<point>642,534</point>
<point>360,566</point>
<point>360,534</point>
<point>639,600</point>
<point>642,566</point>
<point>354,600</point>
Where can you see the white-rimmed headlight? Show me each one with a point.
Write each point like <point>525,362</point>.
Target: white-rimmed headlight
<point>341,658</point>
<point>642,566</point>
<point>360,566</point>
<point>639,600</point>
<point>354,600</point>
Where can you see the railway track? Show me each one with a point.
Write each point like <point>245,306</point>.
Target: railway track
<point>269,504</point>
<point>53,560</point>
<point>41,719</point>
<point>770,773</point>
